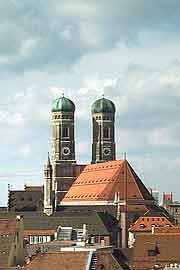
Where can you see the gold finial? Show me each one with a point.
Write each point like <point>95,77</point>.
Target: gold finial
<point>103,95</point>
<point>62,94</point>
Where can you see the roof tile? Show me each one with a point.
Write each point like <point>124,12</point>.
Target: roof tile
<point>101,181</point>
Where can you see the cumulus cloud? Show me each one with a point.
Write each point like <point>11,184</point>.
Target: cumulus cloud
<point>147,105</point>
<point>124,49</point>
<point>53,33</point>
<point>147,119</point>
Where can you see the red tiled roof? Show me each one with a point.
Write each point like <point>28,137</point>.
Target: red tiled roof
<point>100,182</point>
<point>60,260</point>
<point>7,226</point>
<point>166,250</point>
<point>146,223</point>
<point>167,230</point>
<point>39,232</point>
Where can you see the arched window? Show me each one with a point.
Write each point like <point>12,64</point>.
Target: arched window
<point>106,132</point>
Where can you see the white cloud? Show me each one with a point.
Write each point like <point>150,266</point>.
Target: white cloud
<point>60,34</point>
<point>25,150</point>
<point>118,48</point>
<point>163,137</point>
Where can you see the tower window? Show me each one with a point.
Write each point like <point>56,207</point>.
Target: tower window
<point>65,132</point>
<point>106,133</point>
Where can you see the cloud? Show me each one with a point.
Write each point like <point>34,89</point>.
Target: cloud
<point>147,103</point>
<point>48,34</point>
<point>147,120</point>
<point>147,99</point>
<point>124,49</point>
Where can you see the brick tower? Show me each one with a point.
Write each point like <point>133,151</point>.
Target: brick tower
<point>103,118</point>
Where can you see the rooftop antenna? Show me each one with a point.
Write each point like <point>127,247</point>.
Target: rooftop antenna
<point>124,214</point>
<point>125,181</point>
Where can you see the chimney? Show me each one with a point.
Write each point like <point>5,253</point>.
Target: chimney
<point>19,217</point>
<point>84,232</point>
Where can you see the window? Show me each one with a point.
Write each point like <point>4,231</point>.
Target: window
<point>65,117</point>
<point>106,133</point>
<point>92,240</point>
<point>152,252</point>
<point>106,118</point>
<point>64,233</point>
<point>40,240</point>
<point>65,132</point>
<point>176,210</point>
<point>32,240</point>
<point>96,239</point>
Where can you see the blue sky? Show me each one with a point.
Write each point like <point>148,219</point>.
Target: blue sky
<point>128,50</point>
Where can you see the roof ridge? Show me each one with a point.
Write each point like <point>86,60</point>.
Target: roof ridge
<point>116,176</point>
<point>138,182</point>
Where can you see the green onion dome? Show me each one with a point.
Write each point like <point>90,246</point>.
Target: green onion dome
<point>63,104</point>
<point>103,105</point>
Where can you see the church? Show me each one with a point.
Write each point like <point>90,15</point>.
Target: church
<point>60,175</point>
<point>67,183</point>
<point>103,185</point>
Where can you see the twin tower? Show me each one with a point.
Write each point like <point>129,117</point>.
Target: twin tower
<point>62,172</point>
<point>63,137</point>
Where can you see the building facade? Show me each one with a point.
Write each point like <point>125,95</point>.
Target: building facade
<point>103,118</point>
<point>174,209</point>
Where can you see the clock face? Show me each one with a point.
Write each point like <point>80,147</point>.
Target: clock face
<point>107,151</point>
<point>66,151</point>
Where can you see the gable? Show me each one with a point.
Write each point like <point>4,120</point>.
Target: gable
<point>100,182</point>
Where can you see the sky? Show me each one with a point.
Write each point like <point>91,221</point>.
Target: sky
<point>127,50</point>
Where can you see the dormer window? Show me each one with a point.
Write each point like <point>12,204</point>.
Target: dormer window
<point>152,252</point>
